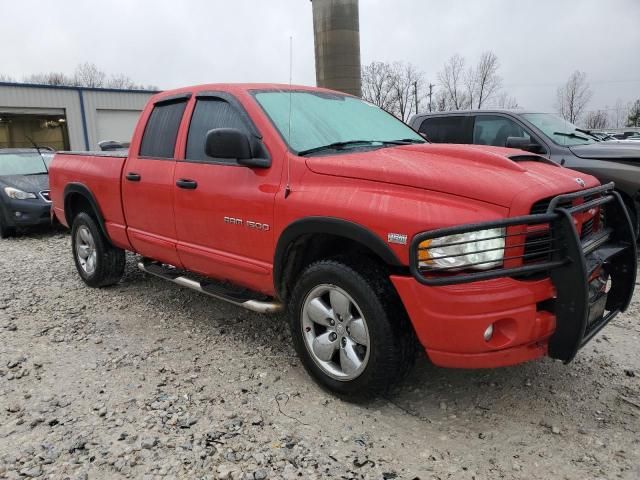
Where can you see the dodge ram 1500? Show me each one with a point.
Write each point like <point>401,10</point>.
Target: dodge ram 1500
<point>274,197</point>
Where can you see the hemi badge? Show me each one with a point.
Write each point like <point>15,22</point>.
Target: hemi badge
<point>398,238</point>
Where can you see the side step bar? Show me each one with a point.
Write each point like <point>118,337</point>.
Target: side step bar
<point>241,299</point>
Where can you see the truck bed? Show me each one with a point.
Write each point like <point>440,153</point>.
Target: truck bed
<point>98,172</point>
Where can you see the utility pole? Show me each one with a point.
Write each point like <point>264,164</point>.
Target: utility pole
<point>415,94</point>
<point>431,85</point>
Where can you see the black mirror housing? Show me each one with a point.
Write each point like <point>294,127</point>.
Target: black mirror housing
<point>228,143</point>
<point>523,143</point>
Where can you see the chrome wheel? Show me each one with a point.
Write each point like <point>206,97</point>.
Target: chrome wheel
<point>86,250</point>
<point>335,332</point>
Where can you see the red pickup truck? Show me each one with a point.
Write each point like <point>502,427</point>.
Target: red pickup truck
<point>269,196</point>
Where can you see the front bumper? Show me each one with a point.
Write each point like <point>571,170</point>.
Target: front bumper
<point>25,213</point>
<point>556,313</point>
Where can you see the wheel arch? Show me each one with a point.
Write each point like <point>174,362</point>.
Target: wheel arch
<point>311,238</point>
<point>78,198</point>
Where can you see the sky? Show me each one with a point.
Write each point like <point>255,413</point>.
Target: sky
<point>172,43</point>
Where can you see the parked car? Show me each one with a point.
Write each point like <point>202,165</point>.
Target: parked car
<point>543,134</point>
<point>270,196</point>
<point>24,189</point>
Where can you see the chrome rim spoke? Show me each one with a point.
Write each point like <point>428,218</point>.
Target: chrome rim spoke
<point>349,360</point>
<point>358,332</point>
<point>319,313</point>
<point>340,304</point>
<point>324,347</point>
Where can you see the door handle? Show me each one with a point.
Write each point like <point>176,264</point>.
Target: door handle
<point>133,177</point>
<point>187,184</point>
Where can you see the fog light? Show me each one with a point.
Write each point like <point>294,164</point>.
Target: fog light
<point>18,214</point>
<point>488,333</point>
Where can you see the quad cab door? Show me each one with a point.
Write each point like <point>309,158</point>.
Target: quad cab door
<point>148,184</point>
<point>223,210</point>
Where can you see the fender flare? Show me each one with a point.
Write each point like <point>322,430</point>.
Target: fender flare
<point>334,226</point>
<point>83,191</point>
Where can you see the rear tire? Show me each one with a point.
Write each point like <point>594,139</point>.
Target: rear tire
<point>98,262</point>
<point>350,329</point>
<point>5,230</point>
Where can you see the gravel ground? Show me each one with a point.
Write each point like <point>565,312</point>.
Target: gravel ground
<point>145,379</point>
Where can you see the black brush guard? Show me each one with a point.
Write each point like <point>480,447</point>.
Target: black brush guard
<point>581,310</point>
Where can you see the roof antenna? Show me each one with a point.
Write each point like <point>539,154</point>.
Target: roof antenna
<point>287,189</point>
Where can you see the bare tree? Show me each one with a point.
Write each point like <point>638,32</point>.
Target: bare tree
<point>633,117</point>
<point>572,98</point>
<point>487,80</point>
<point>451,81</point>
<point>596,119</point>
<point>51,78</point>
<point>6,78</point>
<point>619,114</point>
<point>504,100</point>
<point>89,75</point>
<point>377,85</point>
<point>122,81</point>
<point>405,82</point>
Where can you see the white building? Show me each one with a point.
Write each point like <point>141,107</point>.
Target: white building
<point>67,118</point>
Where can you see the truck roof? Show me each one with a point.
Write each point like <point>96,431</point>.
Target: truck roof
<point>239,87</point>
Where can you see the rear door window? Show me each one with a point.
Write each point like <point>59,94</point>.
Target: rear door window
<point>211,113</point>
<point>161,131</point>
<point>495,129</point>
<point>447,129</point>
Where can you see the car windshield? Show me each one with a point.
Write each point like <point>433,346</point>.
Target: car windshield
<point>310,121</point>
<point>21,164</point>
<point>558,129</point>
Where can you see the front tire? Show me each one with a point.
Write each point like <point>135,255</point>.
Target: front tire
<point>98,262</point>
<point>350,329</point>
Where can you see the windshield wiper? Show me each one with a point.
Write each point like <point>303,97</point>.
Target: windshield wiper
<point>355,143</point>
<point>335,146</point>
<point>588,132</point>
<point>571,134</point>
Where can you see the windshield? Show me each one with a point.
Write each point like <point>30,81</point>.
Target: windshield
<point>321,119</point>
<point>21,164</point>
<point>558,129</point>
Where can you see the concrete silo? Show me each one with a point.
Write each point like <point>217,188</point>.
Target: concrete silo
<point>336,31</point>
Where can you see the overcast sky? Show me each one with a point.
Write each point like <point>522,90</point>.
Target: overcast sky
<point>173,43</point>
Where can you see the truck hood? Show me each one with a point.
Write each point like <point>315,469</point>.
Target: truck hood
<point>608,151</point>
<point>487,174</point>
<point>26,183</point>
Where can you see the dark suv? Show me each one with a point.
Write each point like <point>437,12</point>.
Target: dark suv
<point>544,134</point>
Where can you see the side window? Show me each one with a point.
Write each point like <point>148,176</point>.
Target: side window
<point>494,130</point>
<point>449,129</point>
<point>161,131</point>
<point>210,113</point>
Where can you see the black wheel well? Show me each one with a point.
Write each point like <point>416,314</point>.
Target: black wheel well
<point>310,247</point>
<point>75,203</point>
<point>77,199</point>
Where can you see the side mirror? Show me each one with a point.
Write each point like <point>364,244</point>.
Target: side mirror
<point>523,143</point>
<point>235,144</point>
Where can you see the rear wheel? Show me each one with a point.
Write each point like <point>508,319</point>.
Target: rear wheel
<point>98,262</point>
<point>349,329</point>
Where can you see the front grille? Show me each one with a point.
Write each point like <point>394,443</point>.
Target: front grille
<point>46,195</point>
<point>587,228</point>
<point>541,206</point>
<point>537,247</point>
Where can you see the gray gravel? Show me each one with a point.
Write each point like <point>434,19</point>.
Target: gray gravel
<point>147,380</point>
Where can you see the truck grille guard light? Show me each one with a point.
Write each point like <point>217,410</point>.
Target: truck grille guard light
<point>550,245</point>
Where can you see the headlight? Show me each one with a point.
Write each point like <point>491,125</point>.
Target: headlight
<point>18,194</point>
<point>481,250</point>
